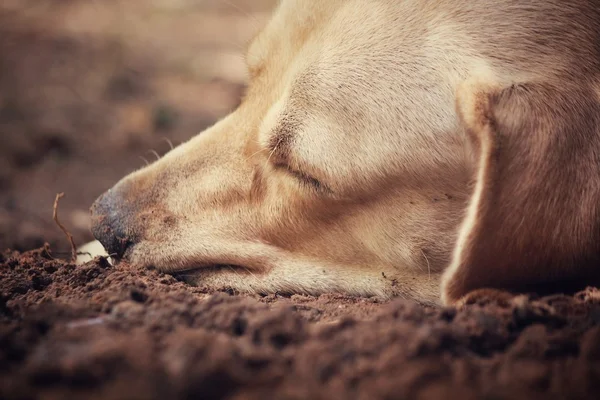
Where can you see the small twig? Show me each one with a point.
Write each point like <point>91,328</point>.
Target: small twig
<point>62,227</point>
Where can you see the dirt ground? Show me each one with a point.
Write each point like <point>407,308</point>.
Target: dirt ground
<point>90,88</point>
<point>102,332</point>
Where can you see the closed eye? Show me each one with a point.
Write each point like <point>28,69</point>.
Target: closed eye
<point>305,178</point>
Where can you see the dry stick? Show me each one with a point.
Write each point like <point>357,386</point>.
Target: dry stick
<point>62,227</point>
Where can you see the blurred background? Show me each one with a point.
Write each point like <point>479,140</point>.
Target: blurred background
<point>88,88</point>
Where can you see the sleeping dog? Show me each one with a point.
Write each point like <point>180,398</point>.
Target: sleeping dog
<point>422,149</point>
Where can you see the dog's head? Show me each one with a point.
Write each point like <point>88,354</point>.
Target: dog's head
<point>347,165</point>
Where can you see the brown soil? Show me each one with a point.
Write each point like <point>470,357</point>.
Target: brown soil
<point>102,332</point>
<point>86,88</point>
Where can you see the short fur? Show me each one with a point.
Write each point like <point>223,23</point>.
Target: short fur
<point>410,148</point>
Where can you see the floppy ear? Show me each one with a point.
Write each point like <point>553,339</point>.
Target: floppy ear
<point>533,220</point>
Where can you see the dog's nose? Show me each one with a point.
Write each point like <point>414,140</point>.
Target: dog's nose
<point>111,222</point>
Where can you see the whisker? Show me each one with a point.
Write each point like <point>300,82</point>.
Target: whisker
<point>155,154</point>
<point>270,155</point>
<point>253,154</point>
<point>235,272</point>
<point>166,139</point>
<point>274,150</point>
<point>256,22</point>
<point>145,160</point>
<point>254,276</point>
<point>428,266</point>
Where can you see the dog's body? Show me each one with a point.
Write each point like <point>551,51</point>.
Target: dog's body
<point>383,148</point>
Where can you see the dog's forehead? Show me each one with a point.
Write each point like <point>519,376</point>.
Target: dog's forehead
<point>292,23</point>
<point>306,27</point>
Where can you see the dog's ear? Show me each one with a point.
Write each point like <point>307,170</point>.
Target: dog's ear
<point>534,213</point>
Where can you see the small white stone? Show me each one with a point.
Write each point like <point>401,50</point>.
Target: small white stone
<point>88,251</point>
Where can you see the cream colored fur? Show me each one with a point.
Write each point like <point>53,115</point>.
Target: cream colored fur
<point>347,167</point>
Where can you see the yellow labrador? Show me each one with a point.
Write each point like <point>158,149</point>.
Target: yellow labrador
<point>412,148</point>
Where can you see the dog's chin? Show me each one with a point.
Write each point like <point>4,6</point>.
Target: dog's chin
<point>214,276</point>
<point>208,275</point>
<point>189,271</point>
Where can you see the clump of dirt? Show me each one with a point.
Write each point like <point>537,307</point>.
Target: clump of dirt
<point>100,331</point>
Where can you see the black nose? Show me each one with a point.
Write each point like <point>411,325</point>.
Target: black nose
<point>112,222</point>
